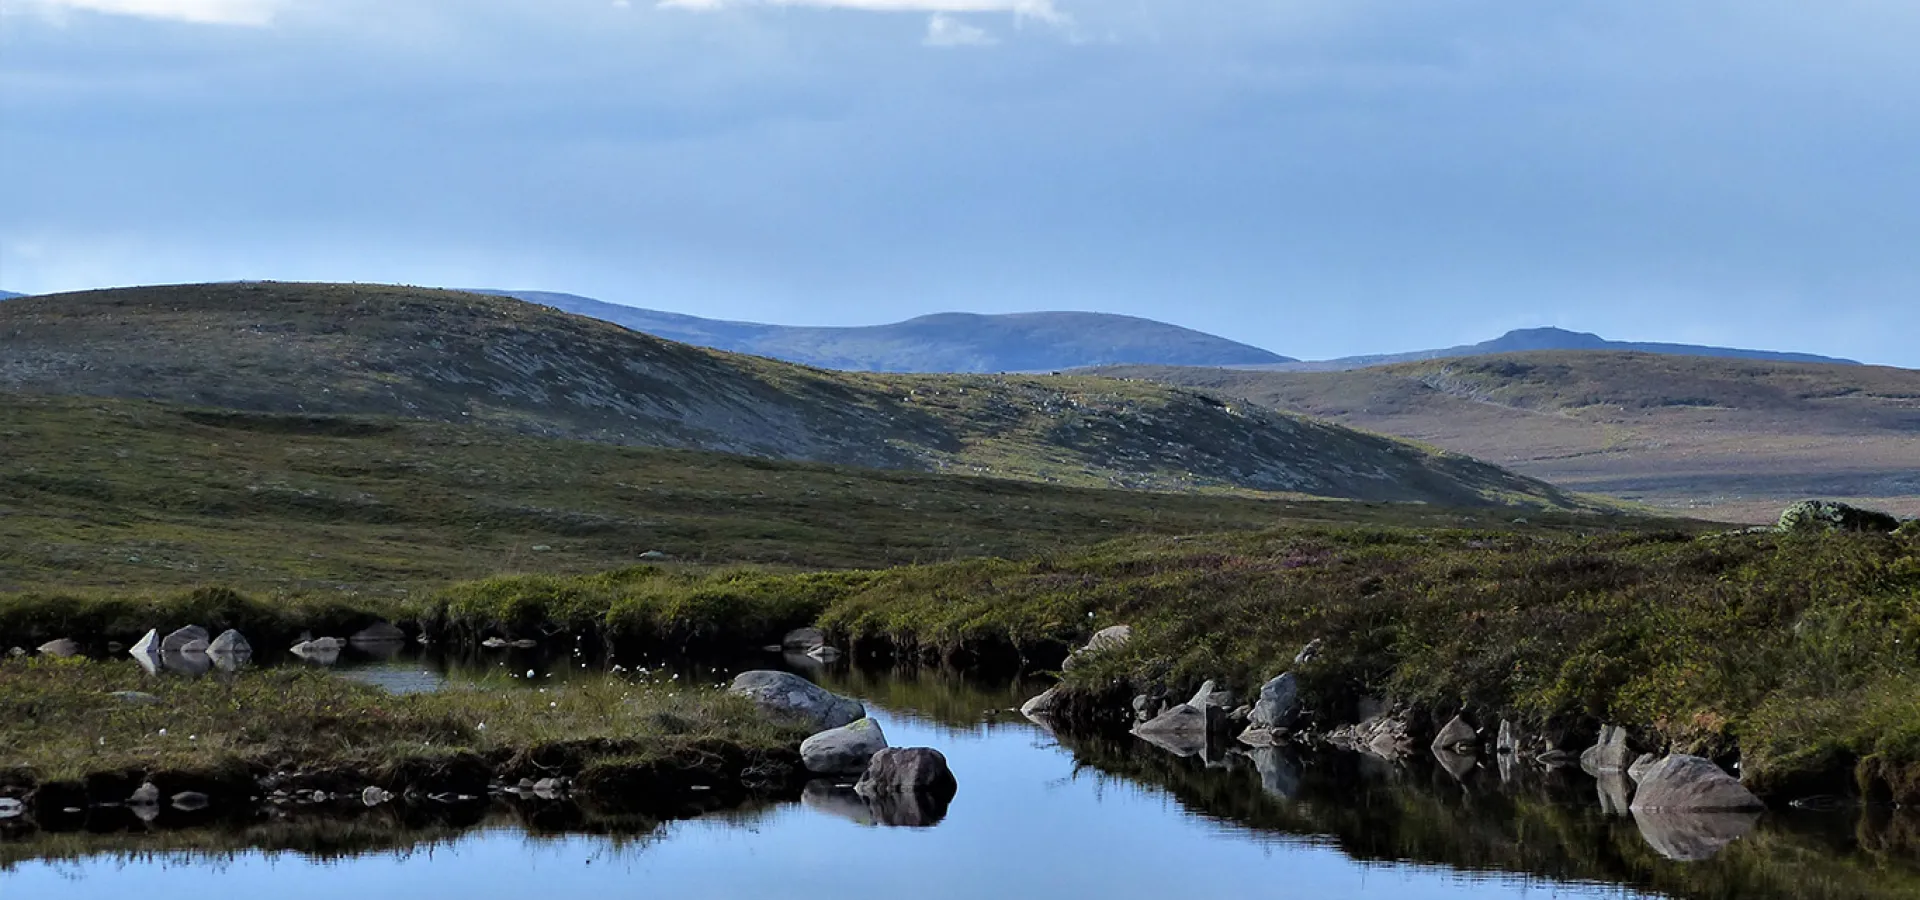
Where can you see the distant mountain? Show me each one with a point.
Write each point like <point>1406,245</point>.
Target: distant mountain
<point>309,350</point>
<point>1526,340</point>
<point>9,295</point>
<point>947,342</point>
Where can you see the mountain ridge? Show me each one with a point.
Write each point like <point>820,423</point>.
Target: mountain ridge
<point>1523,340</point>
<point>461,357</point>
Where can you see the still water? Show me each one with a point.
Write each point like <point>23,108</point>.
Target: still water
<point>1036,816</point>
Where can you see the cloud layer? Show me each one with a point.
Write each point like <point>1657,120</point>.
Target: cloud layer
<point>203,12</point>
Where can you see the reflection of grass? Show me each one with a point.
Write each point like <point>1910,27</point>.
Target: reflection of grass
<point>62,722</point>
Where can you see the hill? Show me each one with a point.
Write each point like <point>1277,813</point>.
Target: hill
<point>948,342</point>
<point>1527,340</point>
<point>1727,438</point>
<point>453,357</point>
<point>9,295</point>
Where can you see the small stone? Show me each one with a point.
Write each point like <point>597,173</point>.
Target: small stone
<point>655,556</point>
<point>64,648</point>
<point>1611,754</point>
<point>1043,704</point>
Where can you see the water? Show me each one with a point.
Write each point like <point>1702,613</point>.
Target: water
<point>1036,816</point>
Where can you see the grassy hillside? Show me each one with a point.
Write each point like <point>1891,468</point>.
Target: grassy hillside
<point>98,494</point>
<point>348,349</point>
<point>1724,438</point>
<point>949,342</point>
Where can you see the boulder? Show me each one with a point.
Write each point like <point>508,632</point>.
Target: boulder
<point>825,796</point>
<point>1682,783</point>
<point>321,645</point>
<point>494,643</point>
<point>1827,515</point>
<point>147,648</point>
<point>1182,719</point>
<point>1611,754</point>
<point>1109,638</point>
<point>907,770</point>
<point>1638,770</point>
<point>1693,836</point>
<point>230,643</point>
<point>1279,703</point>
<point>1041,705</point>
<point>321,651</point>
<point>145,795</point>
<point>803,640</point>
<point>374,796</point>
<point>63,648</point>
<point>194,664</point>
<point>791,697</point>
<point>655,556</point>
<point>177,642</point>
<point>1204,697</point>
<point>845,750</point>
<point>824,653</point>
<point>195,646</point>
<point>379,633</point>
<point>1307,653</point>
<point>1457,737</point>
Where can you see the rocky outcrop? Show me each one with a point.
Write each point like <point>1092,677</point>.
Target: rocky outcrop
<point>788,696</point>
<point>1388,734</point>
<point>1682,783</point>
<point>178,641</point>
<point>845,750</point>
<point>1279,703</point>
<point>1610,754</point>
<point>907,770</point>
<point>1106,639</point>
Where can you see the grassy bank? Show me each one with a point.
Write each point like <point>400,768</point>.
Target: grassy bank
<point>67,735</point>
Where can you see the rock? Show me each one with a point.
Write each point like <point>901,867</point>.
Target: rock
<point>824,653</point>
<point>1827,515</point>
<point>374,796</point>
<point>1682,783</point>
<point>136,698</point>
<point>1308,653</point>
<point>907,770</point>
<point>803,639</point>
<point>494,643</point>
<point>1557,759</point>
<point>17,652</point>
<point>193,664</point>
<point>1279,703</point>
<point>1109,638</point>
<point>1638,770</point>
<point>321,651</point>
<point>1142,707</point>
<point>379,633</point>
<point>321,645</point>
<point>11,808</point>
<point>195,646</point>
<point>1382,731</point>
<point>1259,737</point>
<point>789,696</point>
<point>1182,730</point>
<point>1615,791</point>
<point>550,788</point>
<point>1457,764</point>
<point>1041,705</point>
<point>655,556</point>
<point>1457,737</point>
<point>845,750</point>
<point>1182,719</point>
<point>1508,740</point>
<point>230,643</point>
<point>1280,772</point>
<point>1203,697</point>
<point>177,642</point>
<point>147,648</point>
<point>1611,754</point>
<point>1693,836</point>
<point>910,809</point>
<point>825,796</point>
<point>191,801</point>
<point>64,648</point>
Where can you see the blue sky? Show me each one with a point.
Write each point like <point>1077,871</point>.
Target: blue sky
<point>1319,177</point>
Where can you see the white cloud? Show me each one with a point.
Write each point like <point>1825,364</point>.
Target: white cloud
<point>1043,10</point>
<point>944,30</point>
<point>204,12</point>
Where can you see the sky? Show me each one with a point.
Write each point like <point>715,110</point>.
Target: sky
<point>1317,177</point>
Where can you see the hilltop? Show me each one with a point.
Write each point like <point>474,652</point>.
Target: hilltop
<point>1528,340</point>
<point>1720,437</point>
<point>946,342</point>
<point>9,295</point>
<point>508,364</point>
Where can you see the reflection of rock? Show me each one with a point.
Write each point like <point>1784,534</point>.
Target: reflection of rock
<point>1041,705</point>
<point>802,662</point>
<point>63,648</point>
<point>1457,737</point>
<point>845,750</point>
<point>321,652</point>
<point>1682,782</point>
<point>1259,737</point>
<point>378,633</point>
<point>147,651</point>
<point>827,797</point>
<point>801,640</point>
<point>383,651</point>
<point>1279,772</point>
<point>790,696</point>
<point>1610,754</point>
<point>916,809</point>
<point>195,664</point>
<point>1614,793</point>
<point>1458,765</point>
<point>1693,836</point>
<point>1182,730</point>
<point>824,653</point>
<point>230,643</point>
<point>1638,771</point>
<point>1508,740</point>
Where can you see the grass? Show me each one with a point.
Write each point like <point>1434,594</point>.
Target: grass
<point>64,725</point>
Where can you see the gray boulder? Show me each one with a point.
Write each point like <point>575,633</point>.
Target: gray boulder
<point>323,651</point>
<point>1279,703</point>
<point>63,648</point>
<point>1308,653</point>
<point>145,795</point>
<point>1456,737</point>
<point>1110,638</point>
<point>195,647</point>
<point>803,640</point>
<point>824,796</point>
<point>1041,705</point>
<point>845,750</point>
<point>1611,754</point>
<point>907,770</point>
<point>230,643</point>
<point>1682,783</point>
<point>379,633</point>
<point>194,664</point>
<point>1638,770</point>
<point>788,696</point>
<point>177,642</point>
<point>147,648</point>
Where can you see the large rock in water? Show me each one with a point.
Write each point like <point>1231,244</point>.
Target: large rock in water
<point>230,643</point>
<point>1682,783</point>
<point>1109,638</point>
<point>1611,754</point>
<point>177,642</point>
<point>791,697</point>
<point>845,750</point>
<point>1279,703</point>
<point>907,770</point>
